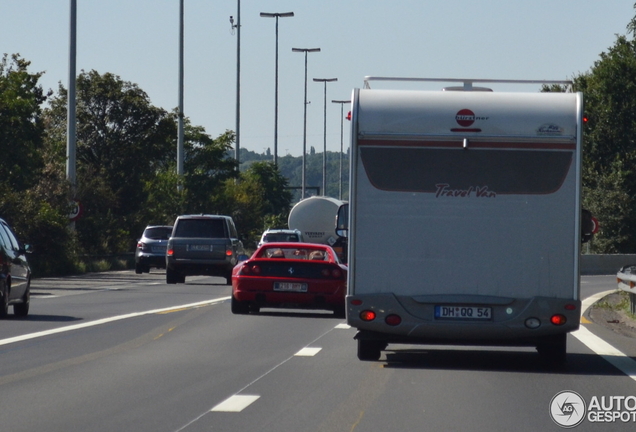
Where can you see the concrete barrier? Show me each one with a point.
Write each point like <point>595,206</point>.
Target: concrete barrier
<point>605,264</point>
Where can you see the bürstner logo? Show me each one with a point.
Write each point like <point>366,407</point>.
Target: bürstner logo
<point>465,117</point>
<point>567,409</point>
<point>549,129</point>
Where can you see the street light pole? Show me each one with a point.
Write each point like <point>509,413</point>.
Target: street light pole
<point>180,115</point>
<point>324,153</point>
<point>71,138</point>
<point>341,102</point>
<point>276,15</point>
<point>237,26</point>
<point>305,50</point>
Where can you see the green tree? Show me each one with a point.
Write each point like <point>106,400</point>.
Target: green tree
<point>21,127</point>
<point>609,178</point>
<point>122,141</point>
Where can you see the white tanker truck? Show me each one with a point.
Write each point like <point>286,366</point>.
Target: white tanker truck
<point>315,218</point>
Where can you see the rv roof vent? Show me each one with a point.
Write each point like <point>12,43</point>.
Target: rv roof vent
<point>467,88</point>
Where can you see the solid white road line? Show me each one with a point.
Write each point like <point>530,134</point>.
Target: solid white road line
<point>616,358</point>
<point>106,320</point>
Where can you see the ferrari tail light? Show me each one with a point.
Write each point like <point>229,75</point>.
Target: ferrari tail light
<point>335,273</point>
<point>250,269</point>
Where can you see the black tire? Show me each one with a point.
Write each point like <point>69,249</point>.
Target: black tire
<point>138,268</point>
<point>553,350</point>
<point>239,307</point>
<point>228,279</point>
<point>171,276</point>
<point>370,350</point>
<point>4,302</point>
<point>22,309</point>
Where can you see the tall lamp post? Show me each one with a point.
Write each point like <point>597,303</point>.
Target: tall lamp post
<point>180,115</point>
<point>324,153</point>
<point>305,50</point>
<point>341,102</point>
<point>276,15</point>
<point>237,26</point>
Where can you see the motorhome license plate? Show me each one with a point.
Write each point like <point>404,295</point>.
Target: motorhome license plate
<point>463,312</point>
<point>287,286</point>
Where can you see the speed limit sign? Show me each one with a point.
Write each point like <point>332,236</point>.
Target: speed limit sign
<point>76,210</point>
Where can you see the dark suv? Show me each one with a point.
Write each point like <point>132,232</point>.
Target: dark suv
<point>202,245</point>
<point>15,274</point>
<point>151,248</point>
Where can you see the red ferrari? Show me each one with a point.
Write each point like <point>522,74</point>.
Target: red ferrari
<point>290,275</point>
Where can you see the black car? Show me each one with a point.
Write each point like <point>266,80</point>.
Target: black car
<point>151,248</point>
<point>202,245</point>
<point>15,273</point>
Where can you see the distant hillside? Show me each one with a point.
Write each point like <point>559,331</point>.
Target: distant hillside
<point>291,168</point>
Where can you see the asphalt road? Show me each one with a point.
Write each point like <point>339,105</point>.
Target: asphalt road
<point>125,352</point>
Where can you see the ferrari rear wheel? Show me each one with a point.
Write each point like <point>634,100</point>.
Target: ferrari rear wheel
<point>239,307</point>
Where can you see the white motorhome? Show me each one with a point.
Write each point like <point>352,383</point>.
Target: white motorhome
<point>464,218</point>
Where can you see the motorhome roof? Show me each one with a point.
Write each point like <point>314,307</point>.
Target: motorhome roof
<point>467,82</point>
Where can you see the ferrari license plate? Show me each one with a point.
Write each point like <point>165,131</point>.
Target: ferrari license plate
<point>287,286</point>
<point>463,312</point>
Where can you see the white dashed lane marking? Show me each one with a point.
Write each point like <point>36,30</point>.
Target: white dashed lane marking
<point>236,403</point>
<point>307,352</point>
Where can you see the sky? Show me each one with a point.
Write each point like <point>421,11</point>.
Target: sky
<point>138,40</point>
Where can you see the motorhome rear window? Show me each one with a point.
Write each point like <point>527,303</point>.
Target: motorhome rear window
<point>201,228</point>
<point>475,170</point>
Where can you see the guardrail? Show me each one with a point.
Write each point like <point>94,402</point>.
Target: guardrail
<point>626,278</point>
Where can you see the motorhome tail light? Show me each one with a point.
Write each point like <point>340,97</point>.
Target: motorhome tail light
<point>558,319</point>
<point>393,320</point>
<point>367,315</point>
<point>570,307</point>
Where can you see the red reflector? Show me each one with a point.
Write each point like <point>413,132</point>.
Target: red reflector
<point>558,319</point>
<point>393,320</point>
<point>570,307</point>
<point>356,302</point>
<point>367,315</point>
